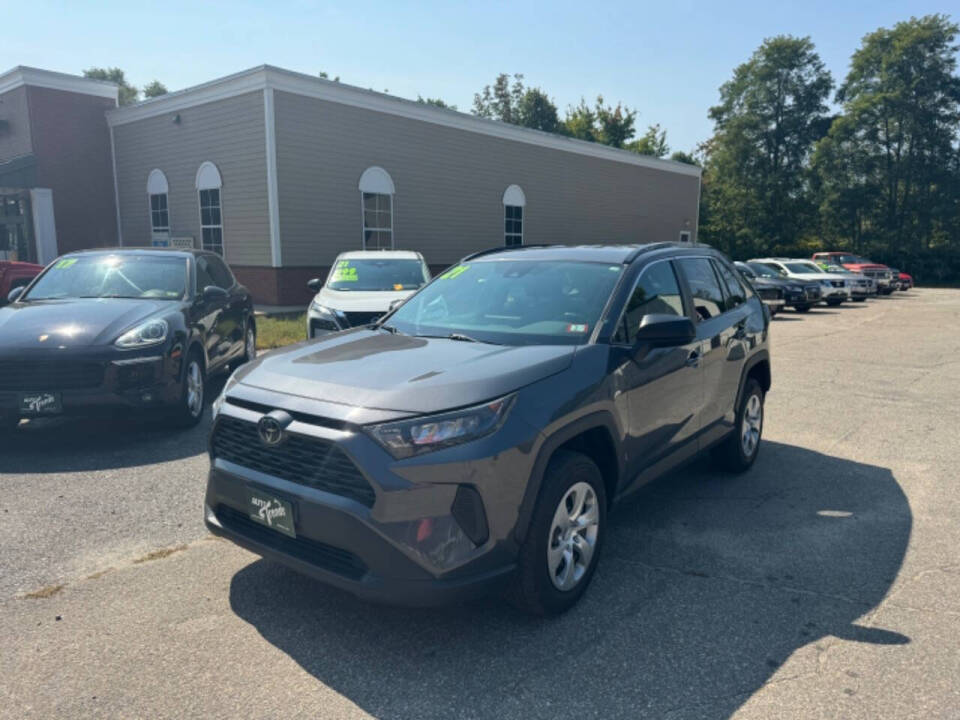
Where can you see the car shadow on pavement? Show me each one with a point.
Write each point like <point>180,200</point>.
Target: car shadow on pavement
<point>707,584</point>
<point>79,444</point>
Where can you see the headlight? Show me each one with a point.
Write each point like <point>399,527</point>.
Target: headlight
<point>325,312</point>
<point>406,438</point>
<point>149,333</point>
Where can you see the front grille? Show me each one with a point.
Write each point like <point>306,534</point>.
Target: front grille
<point>362,318</point>
<point>49,375</point>
<point>301,459</point>
<point>770,293</point>
<point>812,292</point>
<point>316,553</point>
<point>837,283</point>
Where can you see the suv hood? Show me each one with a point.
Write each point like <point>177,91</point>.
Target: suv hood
<point>360,300</point>
<point>378,370</point>
<point>72,323</point>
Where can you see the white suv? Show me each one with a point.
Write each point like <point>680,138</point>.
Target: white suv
<point>362,286</point>
<point>835,287</point>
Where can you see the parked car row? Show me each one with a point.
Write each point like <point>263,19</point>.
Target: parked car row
<point>831,278</point>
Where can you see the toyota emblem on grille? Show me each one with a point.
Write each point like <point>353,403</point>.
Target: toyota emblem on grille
<point>271,427</point>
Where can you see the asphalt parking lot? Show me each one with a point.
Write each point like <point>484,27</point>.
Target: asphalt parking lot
<point>823,583</point>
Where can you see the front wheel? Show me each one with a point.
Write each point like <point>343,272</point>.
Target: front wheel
<point>189,410</point>
<point>738,452</point>
<point>559,556</point>
<point>249,346</point>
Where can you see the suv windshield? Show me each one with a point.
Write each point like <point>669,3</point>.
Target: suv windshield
<point>376,274</point>
<point>800,268</point>
<point>762,270</point>
<point>126,276</point>
<point>512,302</point>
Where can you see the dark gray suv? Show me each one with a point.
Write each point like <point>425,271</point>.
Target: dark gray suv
<point>476,437</point>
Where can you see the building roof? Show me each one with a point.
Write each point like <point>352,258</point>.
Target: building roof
<point>35,77</point>
<point>267,77</point>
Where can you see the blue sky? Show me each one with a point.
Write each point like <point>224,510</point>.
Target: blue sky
<point>665,59</point>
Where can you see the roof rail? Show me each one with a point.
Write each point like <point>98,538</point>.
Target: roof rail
<point>491,251</point>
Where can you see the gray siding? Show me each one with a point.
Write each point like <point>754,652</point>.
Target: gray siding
<point>449,187</point>
<point>15,139</point>
<point>230,134</point>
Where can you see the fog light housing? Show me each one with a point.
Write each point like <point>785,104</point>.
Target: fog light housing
<point>469,513</point>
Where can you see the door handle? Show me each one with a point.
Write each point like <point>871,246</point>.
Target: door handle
<point>693,359</point>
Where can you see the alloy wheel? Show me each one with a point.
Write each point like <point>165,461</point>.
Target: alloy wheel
<point>573,536</point>
<point>194,388</point>
<point>251,344</point>
<point>751,426</point>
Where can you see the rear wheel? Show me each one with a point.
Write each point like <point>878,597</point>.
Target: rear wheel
<point>738,452</point>
<point>559,556</point>
<point>189,410</point>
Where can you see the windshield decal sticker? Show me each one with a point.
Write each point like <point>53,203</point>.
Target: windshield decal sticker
<point>455,272</point>
<point>577,328</point>
<point>344,272</point>
<point>65,263</point>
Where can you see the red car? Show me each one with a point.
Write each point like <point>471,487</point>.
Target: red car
<point>15,274</point>
<point>906,281</point>
<point>881,274</point>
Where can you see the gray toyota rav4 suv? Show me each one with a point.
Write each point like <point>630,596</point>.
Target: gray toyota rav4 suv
<point>476,436</point>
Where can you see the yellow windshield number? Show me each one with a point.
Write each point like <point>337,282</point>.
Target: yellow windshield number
<point>455,272</point>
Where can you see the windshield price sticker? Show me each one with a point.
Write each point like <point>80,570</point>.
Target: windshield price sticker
<point>455,272</point>
<point>65,263</point>
<point>344,272</point>
<point>577,328</point>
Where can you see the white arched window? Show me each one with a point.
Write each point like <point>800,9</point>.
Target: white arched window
<point>157,190</point>
<point>376,204</point>
<point>209,184</point>
<point>514,201</point>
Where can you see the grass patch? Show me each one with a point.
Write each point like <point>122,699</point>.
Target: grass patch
<point>159,554</point>
<point>279,330</point>
<point>48,591</point>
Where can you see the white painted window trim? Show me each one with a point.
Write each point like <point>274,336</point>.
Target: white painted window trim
<point>157,185</point>
<point>514,196</point>
<point>685,236</point>
<point>376,181</point>
<point>209,178</point>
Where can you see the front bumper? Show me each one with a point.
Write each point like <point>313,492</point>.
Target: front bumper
<point>408,543</point>
<point>142,382</point>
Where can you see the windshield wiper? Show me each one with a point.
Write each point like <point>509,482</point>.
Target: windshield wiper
<point>461,337</point>
<point>389,328</point>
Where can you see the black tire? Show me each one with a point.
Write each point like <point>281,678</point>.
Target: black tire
<point>860,299</point>
<point>534,591</point>
<point>833,302</point>
<point>247,356</point>
<point>189,410</point>
<point>802,308</point>
<point>731,455</point>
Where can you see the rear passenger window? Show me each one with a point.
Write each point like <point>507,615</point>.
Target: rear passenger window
<point>657,293</point>
<point>220,272</point>
<point>734,291</point>
<point>708,298</point>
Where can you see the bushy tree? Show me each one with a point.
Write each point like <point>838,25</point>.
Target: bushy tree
<point>436,102</point>
<point>128,93</point>
<point>770,115</point>
<point>887,171</point>
<point>154,89</point>
<point>652,142</point>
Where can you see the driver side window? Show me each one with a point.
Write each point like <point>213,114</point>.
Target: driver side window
<point>204,277</point>
<point>656,293</point>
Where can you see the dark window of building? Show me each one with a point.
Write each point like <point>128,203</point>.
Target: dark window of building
<point>377,221</point>
<point>211,220</point>
<point>159,216</point>
<point>512,225</point>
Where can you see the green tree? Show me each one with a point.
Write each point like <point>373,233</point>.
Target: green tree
<point>614,124</point>
<point>128,93</point>
<point>436,102</point>
<point>770,115</point>
<point>501,100</point>
<point>684,157</point>
<point>652,142</point>
<point>580,122</point>
<point>154,89</point>
<point>536,110</point>
<point>887,173</point>
<point>326,76</point>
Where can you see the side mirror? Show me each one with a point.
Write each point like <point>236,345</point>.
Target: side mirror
<point>666,330</point>
<point>315,284</point>
<point>15,293</point>
<point>213,292</point>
